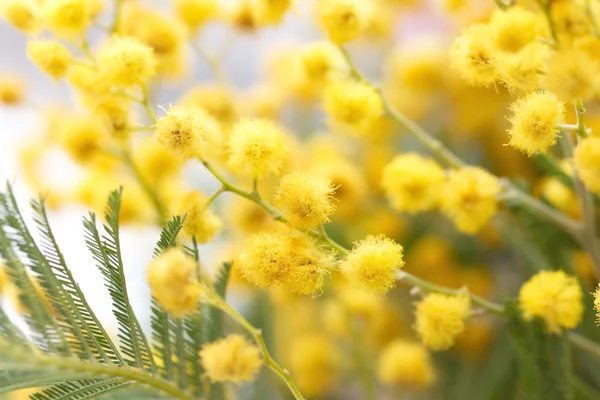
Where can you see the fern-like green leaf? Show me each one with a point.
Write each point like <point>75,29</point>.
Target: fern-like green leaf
<point>81,389</point>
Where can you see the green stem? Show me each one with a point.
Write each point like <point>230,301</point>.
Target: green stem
<point>257,334</point>
<point>546,11</point>
<point>146,104</point>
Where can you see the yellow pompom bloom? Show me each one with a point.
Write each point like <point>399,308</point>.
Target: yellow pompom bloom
<point>304,199</point>
<point>194,13</point>
<point>155,162</point>
<point>173,282</point>
<point>515,28</point>
<point>587,162</point>
<point>12,89</point>
<point>270,12</point>
<point>406,364</point>
<point>51,57</point>
<point>526,69</point>
<point>257,147</point>
<point>20,14</point>
<point>313,362</point>
<point>82,137</point>
<point>126,61</point>
<point>343,20</point>
<point>372,263</point>
<point>231,359</point>
<point>535,122</point>
<point>321,61</point>
<point>412,182</point>
<point>352,103</point>
<point>469,198</point>
<point>68,18</point>
<point>573,75</point>
<point>283,258</point>
<point>473,55</point>
<point>186,131</point>
<point>554,297</point>
<point>351,187</point>
<point>200,221</point>
<point>440,318</point>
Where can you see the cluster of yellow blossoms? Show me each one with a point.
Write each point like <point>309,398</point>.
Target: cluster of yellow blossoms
<point>325,195</point>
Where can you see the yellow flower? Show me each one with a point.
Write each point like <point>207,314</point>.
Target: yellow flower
<point>195,13</point>
<point>12,89</point>
<point>313,362</point>
<point>321,61</point>
<point>526,69</point>
<point>535,122</point>
<point>173,282</point>
<point>372,263</point>
<point>412,182</point>
<point>351,187</point>
<point>554,297</point>
<point>473,56</point>
<point>270,12</point>
<point>587,162</point>
<point>155,162</point>
<point>573,75</point>
<point>20,14</point>
<point>440,318</point>
<point>51,57</point>
<point>231,359</point>
<point>186,131</point>
<point>126,61</point>
<point>515,28</point>
<point>68,18</point>
<point>257,148</point>
<point>351,103</point>
<point>597,303</point>
<point>200,221</point>
<point>283,258</point>
<point>82,137</point>
<point>304,199</point>
<point>469,198</point>
<point>406,364</point>
<point>343,20</point>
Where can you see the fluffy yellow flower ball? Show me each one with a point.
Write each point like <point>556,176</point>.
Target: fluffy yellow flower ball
<point>199,221</point>
<point>412,182</point>
<point>535,122</point>
<point>321,61</point>
<point>313,362</point>
<point>173,282</point>
<point>68,18</point>
<point>469,198</point>
<point>12,91</point>
<point>440,318</point>
<point>20,14</point>
<point>257,148</point>
<point>343,20</point>
<point>372,263</point>
<point>186,131</point>
<point>304,199</point>
<point>587,162</point>
<point>573,75</point>
<point>51,57</point>
<point>231,359</point>
<point>195,13</point>
<point>473,56</point>
<point>126,61</point>
<point>515,28</point>
<point>554,297</point>
<point>351,103</point>
<point>154,162</point>
<point>82,137</point>
<point>283,258</point>
<point>406,364</point>
<point>270,12</point>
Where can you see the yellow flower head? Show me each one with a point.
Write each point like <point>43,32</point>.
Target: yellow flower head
<point>51,57</point>
<point>82,137</point>
<point>270,12</point>
<point>351,187</point>
<point>155,162</point>
<point>283,258</point>
<point>406,364</point>
<point>515,28</point>
<point>321,61</point>
<point>257,147</point>
<point>126,61</point>
<point>343,20</point>
<point>199,221</point>
<point>186,131</point>
<point>313,362</point>
<point>573,75</point>
<point>372,263</point>
<point>173,282</point>
<point>304,199</point>
<point>587,161</point>
<point>554,297</point>
<point>195,13</point>
<point>231,359</point>
<point>68,18</point>
<point>469,198</point>
<point>352,103</point>
<point>12,89</point>
<point>535,122</point>
<point>20,14</point>
<point>525,70</point>
<point>474,56</point>
<point>412,182</point>
<point>440,318</point>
